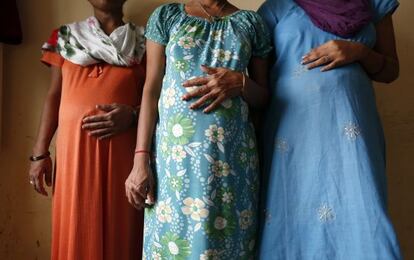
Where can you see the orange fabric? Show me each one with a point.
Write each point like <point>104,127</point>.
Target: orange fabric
<point>91,216</point>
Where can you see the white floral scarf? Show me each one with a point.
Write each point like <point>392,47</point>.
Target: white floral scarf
<point>85,43</point>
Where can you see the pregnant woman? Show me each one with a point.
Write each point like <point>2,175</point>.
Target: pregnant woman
<point>324,161</point>
<point>206,173</point>
<point>96,86</point>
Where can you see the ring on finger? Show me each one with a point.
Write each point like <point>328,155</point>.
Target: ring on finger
<point>326,59</point>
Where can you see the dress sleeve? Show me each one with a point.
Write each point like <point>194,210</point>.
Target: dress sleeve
<point>52,59</point>
<point>261,38</point>
<point>382,8</point>
<point>50,55</point>
<point>266,12</point>
<point>160,23</point>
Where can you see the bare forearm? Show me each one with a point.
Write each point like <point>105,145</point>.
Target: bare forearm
<point>255,95</point>
<point>380,67</point>
<point>147,120</point>
<point>48,124</point>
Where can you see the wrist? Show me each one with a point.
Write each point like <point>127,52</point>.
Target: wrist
<point>363,52</point>
<point>40,149</point>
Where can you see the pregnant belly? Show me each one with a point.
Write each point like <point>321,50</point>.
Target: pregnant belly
<point>304,87</point>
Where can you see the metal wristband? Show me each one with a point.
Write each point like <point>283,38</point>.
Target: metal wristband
<point>39,157</point>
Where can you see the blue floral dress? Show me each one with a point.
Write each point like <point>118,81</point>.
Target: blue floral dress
<point>324,164</point>
<point>206,164</point>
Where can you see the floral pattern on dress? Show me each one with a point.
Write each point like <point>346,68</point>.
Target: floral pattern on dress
<point>206,164</point>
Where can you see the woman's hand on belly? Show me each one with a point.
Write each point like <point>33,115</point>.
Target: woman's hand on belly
<point>220,84</point>
<point>334,54</point>
<point>116,119</point>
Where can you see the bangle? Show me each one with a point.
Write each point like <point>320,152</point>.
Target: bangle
<point>243,84</point>
<point>39,157</point>
<point>143,151</point>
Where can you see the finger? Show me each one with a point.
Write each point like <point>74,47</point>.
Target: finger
<point>315,54</point>
<point>209,70</point>
<point>99,125</point>
<point>202,101</point>
<point>311,57</point>
<point>321,61</point>
<point>151,193</point>
<point>201,91</point>
<point>139,201</point>
<point>107,107</point>
<point>38,186</point>
<point>48,177</point>
<point>214,104</point>
<point>101,132</point>
<point>42,186</point>
<point>106,136</point>
<point>196,82</point>
<point>93,119</point>
<point>331,66</point>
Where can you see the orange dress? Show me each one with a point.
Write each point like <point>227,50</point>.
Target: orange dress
<point>91,217</point>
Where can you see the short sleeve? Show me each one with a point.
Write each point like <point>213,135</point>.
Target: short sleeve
<point>382,8</point>
<point>266,12</point>
<point>261,38</point>
<point>50,55</point>
<point>52,59</point>
<point>160,23</point>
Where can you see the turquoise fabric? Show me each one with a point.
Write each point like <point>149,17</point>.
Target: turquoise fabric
<point>206,164</point>
<point>324,188</point>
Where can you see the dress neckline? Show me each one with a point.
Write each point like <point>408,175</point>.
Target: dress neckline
<point>182,8</point>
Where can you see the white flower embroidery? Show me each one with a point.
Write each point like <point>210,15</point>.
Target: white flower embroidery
<point>222,55</point>
<point>246,219</point>
<point>178,153</point>
<point>220,223</point>
<point>215,134</point>
<point>227,197</point>
<point>217,35</point>
<point>299,71</point>
<point>282,145</point>
<point>164,212</point>
<point>195,208</point>
<point>326,213</point>
<point>169,97</point>
<point>352,131</point>
<point>210,254</point>
<point>186,42</point>
<point>221,169</point>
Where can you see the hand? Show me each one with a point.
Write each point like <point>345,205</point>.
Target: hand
<point>140,185</point>
<point>117,118</point>
<point>220,84</point>
<point>40,172</point>
<point>334,54</point>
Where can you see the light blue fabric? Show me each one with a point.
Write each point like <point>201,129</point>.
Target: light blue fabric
<point>207,164</point>
<point>324,188</point>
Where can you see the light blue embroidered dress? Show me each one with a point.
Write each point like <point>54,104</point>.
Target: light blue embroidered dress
<point>206,166</point>
<point>324,163</point>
